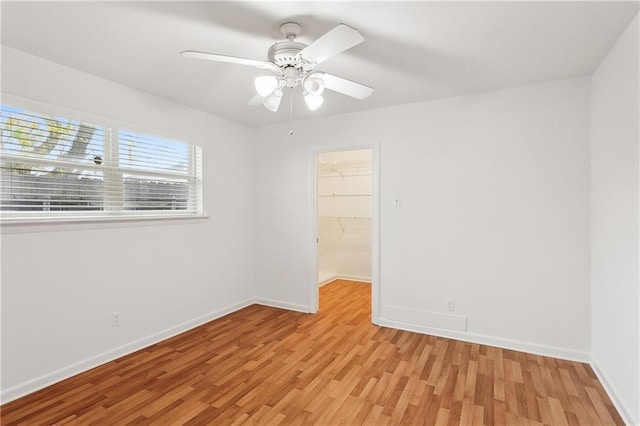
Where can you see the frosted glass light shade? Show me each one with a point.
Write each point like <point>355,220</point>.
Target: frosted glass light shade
<point>272,102</point>
<point>265,85</point>
<point>313,102</point>
<point>314,85</point>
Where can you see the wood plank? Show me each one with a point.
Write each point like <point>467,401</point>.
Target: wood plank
<point>263,365</point>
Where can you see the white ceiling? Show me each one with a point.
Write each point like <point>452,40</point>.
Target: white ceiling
<point>413,51</point>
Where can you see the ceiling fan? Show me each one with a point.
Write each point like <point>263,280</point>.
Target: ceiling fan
<point>293,64</point>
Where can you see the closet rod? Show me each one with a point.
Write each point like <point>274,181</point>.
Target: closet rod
<point>344,195</point>
<point>347,217</point>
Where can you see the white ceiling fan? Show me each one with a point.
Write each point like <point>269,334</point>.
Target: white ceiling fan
<point>293,64</point>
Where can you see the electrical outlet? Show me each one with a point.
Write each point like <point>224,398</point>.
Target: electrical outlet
<point>451,305</point>
<point>115,319</point>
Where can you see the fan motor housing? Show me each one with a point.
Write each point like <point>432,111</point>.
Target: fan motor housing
<point>285,54</point>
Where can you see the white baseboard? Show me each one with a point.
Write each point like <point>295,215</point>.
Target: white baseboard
<point>345,277</point>
<point>435,320</point>
<point>22,389</point>
<point>516,345</point>
<point>354,278</point>
<point>327,280</point>
<point>282,305</point>
<point>624,412</point>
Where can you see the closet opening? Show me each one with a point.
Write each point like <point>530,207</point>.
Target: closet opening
<point>344,208</point>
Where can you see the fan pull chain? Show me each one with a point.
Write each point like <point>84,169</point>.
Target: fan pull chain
<point>291,110</point>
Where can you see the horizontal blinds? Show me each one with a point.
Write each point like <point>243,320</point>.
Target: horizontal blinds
<point>43,137</point>
<point>49,163</point>
<point>158,174</point>
<point>53,166</point>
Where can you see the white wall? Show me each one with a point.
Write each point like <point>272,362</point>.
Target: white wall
<point>615,223</point>
<point>60,283</point>
<point>494,213</point>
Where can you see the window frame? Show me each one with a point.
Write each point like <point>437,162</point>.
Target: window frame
<point>110,212</point>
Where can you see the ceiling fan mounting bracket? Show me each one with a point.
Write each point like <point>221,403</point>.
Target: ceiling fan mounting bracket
<point>290,30</point>
<point>287,53</point>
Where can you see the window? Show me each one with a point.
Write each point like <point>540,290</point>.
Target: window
<point>55,167</point>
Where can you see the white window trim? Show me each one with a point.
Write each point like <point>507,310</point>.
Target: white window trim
<point>23,226</point>
<point>35,221</point>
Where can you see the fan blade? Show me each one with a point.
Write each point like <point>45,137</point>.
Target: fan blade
<point>344,86</point>
<point>337,40</point>
<point>229,59</point>
<point>256,100</point>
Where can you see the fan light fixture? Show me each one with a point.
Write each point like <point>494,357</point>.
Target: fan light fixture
<point>265,85</point>
<point>313,88</point>
<point>272,102</point>
<point>270,88</point>
<point>314,85</point>
<point>313,101</point>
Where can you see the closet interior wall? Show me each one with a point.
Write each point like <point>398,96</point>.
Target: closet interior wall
<point>344,215</point>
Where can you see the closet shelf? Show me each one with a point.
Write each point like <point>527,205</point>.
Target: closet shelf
<point>346,217</point>
<point>343,195</point>
<point>326,175</point>
<point>344,166</point>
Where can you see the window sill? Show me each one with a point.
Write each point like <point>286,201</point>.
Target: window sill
<point>25,225</point>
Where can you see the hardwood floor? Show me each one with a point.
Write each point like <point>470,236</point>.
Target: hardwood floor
<point>264,365</point>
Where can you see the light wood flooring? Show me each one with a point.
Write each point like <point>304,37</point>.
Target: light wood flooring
<point>263,365</point>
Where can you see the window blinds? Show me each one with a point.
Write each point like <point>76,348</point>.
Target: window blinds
<point>57,167</point>
<point>158,174</point>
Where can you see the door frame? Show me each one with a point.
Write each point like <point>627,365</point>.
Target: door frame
<point>314,293</point>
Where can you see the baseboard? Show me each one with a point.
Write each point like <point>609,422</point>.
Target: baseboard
<point>515,345</point>
<point>344,277</point>
<point>327,280</point>
<point>624,412</point>
<point>435,320</point>
<point>18,391</point>
<point>354,278</point>
<point>282,305</point>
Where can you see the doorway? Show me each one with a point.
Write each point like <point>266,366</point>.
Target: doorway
<point>346,218</point>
